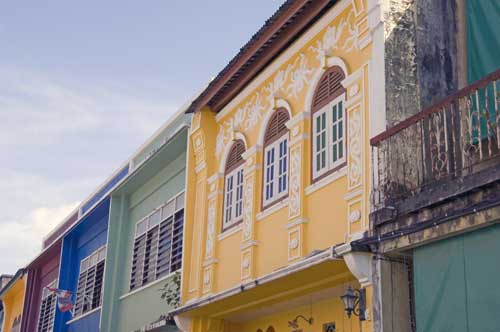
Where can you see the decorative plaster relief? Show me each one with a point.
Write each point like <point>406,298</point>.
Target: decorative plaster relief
<point>206,278</point>
<point>354,90</point>
<point>294,250</point>
<point>295,178</point>
<point>246,258</point>
<point>355,127</point>
<point>354,216</point>
<point>248,208</point>
<point>300,76</point>
<point>352,42</point>
<point>290,81</point>
<point>246,263</point>
<point>209,250</point>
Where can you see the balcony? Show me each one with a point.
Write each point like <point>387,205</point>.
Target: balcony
<point>447,150</point>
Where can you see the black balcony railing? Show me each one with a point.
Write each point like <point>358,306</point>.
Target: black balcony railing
<point>455,138</point>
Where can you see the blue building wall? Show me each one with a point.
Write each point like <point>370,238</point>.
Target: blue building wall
<point>89,235</point>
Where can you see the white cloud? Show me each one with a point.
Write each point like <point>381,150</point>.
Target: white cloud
<point>58,141</point>
<point>21,240</point>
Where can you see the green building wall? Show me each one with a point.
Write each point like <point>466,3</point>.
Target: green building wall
<point>154,182</point>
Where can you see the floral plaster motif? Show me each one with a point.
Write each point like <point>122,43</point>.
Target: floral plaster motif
<point>287,82</point>
<point>247,208</point>
<point>352,42</point>
<point>295,169</point>
<point>300,76</point>
<point>209,250</point>
<point>355,148</point>
<point>330,41</point>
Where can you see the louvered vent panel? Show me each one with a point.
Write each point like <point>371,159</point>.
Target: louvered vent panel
<point>82,280</point>
<point>164,248</point>
<point>150,256</point>
<point>138,262</point>
<point>97,291</point>
<point>177,241</point>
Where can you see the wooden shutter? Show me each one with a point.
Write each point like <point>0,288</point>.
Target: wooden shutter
<point>234,159</point>
<point>329,87</point>
<point>276,126</point>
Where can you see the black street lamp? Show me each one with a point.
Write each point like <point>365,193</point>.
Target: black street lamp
<point>355,302</point>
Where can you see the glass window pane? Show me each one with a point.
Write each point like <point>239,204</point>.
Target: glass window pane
<point>155,218</point>
<point>179,202</point>
<point>168,210</point>
<point>141,227</point>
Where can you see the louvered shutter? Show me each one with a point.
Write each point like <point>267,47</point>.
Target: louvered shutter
<point>329,87</point>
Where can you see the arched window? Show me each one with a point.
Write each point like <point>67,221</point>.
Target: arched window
<point>233,186</point>
<point>328,124</point>
<point>275,178</point>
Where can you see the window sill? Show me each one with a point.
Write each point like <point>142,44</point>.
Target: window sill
<point>326,180</point>
<point>88,313</point>
<point>228,232</point>
<point>137,290</point>
<point>272,209</point>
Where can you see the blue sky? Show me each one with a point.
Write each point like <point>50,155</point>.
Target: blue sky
<point>84,83</point>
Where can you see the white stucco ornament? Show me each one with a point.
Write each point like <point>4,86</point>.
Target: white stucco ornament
<point>206,279</point>
<point>354,216</point>
<point>198,142</point>
<point>294,244</point>
<point>246,263</point>
<point>354,90</point>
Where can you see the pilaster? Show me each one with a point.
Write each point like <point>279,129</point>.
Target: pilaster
<point>356,196</point>
<point>296,226</point>
<point>249,244</point>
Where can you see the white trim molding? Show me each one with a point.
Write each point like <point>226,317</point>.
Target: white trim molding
<point>359,263</point>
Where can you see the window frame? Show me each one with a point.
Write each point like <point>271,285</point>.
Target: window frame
<point>277,195</point>
<point>330,165</point>
<point>92,260</point>
<point>233,176</point>
<point>45,294</point>
<point>163,218</point>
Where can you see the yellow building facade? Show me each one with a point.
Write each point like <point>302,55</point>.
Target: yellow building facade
<point>13,300</point>
<point>277,183</point>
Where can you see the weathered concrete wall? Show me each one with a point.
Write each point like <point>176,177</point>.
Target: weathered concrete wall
<point>400,60</point>
<point>392,286</point>
<point>421,65</point>
<point>436,49</point>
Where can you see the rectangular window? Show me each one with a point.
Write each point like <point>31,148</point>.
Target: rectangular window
<point>276,170</point>
<point>329,137</point>
<point>158,243</point>
<point>233,198</point>
<point>47,309</point>
<point>90,279</point>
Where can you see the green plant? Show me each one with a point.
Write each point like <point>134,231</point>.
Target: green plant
<point>170,292</point>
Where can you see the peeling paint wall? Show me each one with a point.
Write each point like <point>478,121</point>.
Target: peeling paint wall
<point>421,54</point>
